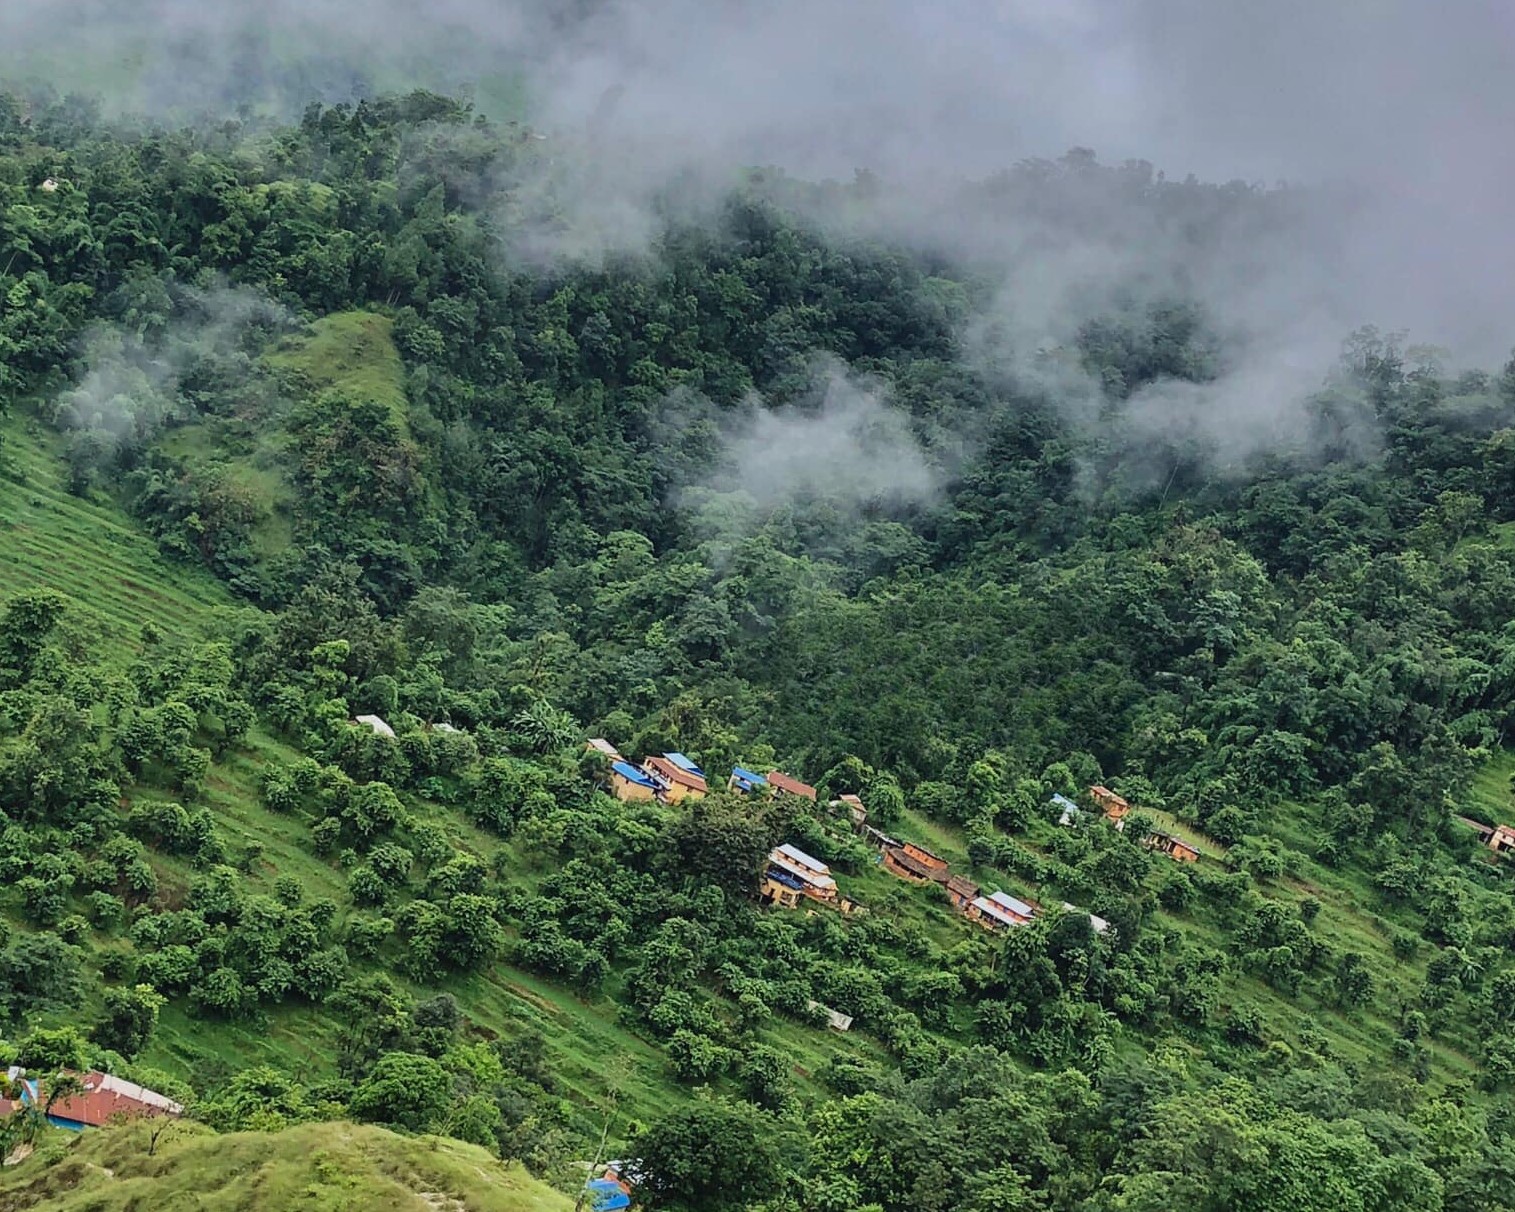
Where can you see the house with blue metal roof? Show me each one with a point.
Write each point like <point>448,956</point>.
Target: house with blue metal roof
<point>628,784</point>
<point>676,777</point>
<point>746,781</point>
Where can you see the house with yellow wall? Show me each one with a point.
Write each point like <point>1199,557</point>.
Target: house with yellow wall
<point>629,784</point>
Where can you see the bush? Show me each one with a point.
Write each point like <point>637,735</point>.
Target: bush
<point>404,1090</point>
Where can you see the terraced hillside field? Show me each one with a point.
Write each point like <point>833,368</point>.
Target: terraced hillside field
<point>113,572</point>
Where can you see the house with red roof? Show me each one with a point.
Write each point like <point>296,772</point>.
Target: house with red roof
<point>677,777</point>
<point>787,785</point>
<point>102,1098</point>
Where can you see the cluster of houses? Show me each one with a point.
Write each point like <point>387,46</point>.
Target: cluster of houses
<point>1115,809</point>
<point>672,777</point>
<point>100,1099</point>
<point>995,912</point>
<point>792,875</point>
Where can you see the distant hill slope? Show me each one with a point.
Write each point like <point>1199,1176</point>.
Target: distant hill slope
<point>317,1167</point>
<point>88,550</point>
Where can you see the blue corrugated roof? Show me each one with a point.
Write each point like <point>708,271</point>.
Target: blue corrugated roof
<point>683,763</point>
<point>1062,801</point>
<point>632,775</point>
<point>748,778</point>
<point>787,878</point>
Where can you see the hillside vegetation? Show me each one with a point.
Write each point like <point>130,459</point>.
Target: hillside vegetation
<point>321,1167</point>
<point>111,572</point>
<point>297,434</point>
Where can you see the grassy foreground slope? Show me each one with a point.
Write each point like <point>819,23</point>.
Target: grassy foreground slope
<point>319,1167</point>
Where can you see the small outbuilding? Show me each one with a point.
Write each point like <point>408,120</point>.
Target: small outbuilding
<point>1114,807</point>
<point>961,891</point>
<point>1173,847</point>
<point>916,863</point>
<point>376,725</point>
<point>1068,812</point>
<point>1099,923</point>
<point>854,806</point>
<point>835,1019</point>
<point>746,782</point>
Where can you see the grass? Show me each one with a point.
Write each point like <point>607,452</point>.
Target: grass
<point>1353,916</point>
<point>114,575</point>
<point>253,456</point>
<point>328,1167</point>
<point>90,551</point>
<point>589,1049</point>
<point>1492,790</point>
<point>353,351</point>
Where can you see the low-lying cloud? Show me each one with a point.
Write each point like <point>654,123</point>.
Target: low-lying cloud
<point>1391,114</point>
<point>850,449</point>
<point>133,378</point>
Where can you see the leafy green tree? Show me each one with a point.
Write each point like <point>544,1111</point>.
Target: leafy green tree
<point>129,1020</point>
<point>403,1090</point>
<point>712,1156</point>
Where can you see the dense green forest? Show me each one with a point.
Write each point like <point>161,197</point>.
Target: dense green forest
<point>293,432</point>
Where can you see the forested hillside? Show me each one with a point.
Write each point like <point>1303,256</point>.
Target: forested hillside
<point>315,422</point>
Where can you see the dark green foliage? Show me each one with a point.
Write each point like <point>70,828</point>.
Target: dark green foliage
<point>499,504</point>
<point>37,972</point>
<point>131,1015</point>
<point>707,1157</point>
<point>403,1090</point>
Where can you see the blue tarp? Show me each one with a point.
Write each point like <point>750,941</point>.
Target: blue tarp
<point>607,1196</point>
<point>787,878</point>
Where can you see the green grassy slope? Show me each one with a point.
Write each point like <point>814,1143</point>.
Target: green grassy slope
<point>352,350</point>
<point>88,550</point>
<point>316,1167</point>
<point>98,556</point>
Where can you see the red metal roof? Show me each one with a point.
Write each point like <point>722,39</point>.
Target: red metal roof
<point>672,773</point>
<point>791,786</point>
<point>105,1097</point>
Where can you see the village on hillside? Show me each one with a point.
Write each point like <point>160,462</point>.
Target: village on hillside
<point>792,876</point>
